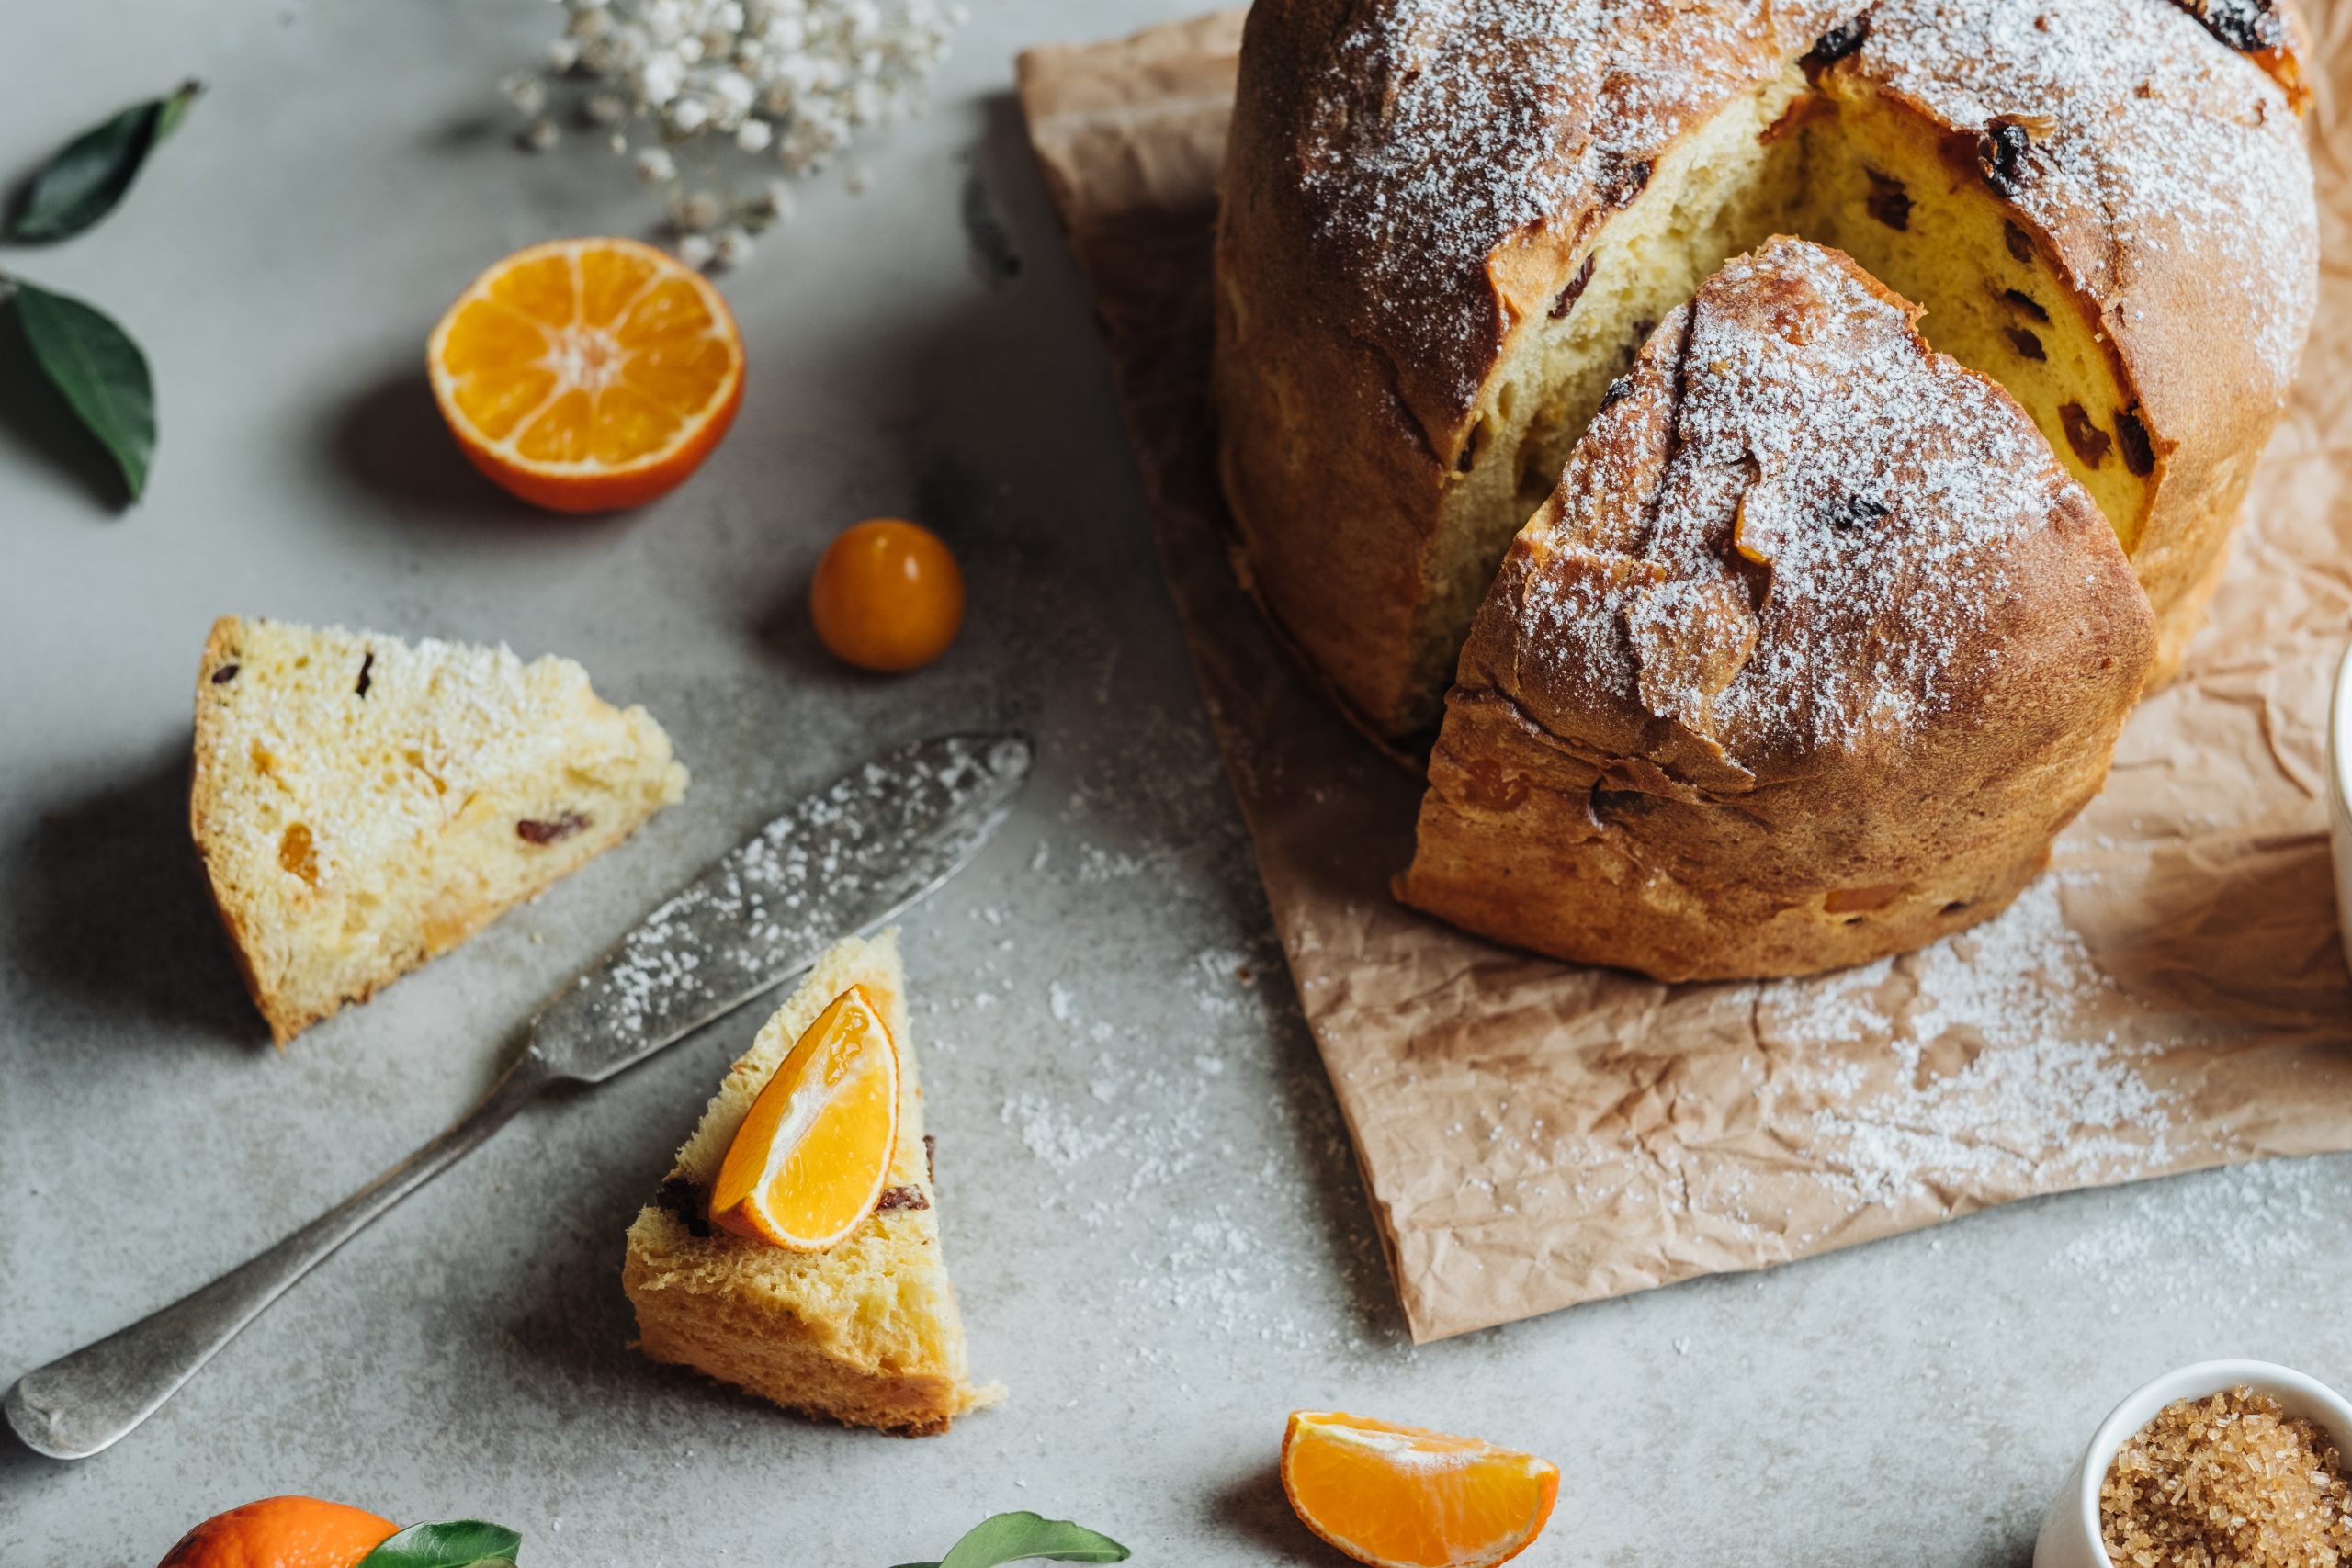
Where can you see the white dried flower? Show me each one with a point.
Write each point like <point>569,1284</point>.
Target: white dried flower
<point>527,94</point>
<point>730,247</point>
<point>540,136</point>
<point>735,90</point>
<point>659,79</point>
<point>696,250</point>
<point>794,80</point>
<point>700,211</point>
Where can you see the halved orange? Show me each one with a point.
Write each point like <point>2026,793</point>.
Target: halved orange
<point>808,1164</point>
<point>1403,1498</point>
<point>588,375</point>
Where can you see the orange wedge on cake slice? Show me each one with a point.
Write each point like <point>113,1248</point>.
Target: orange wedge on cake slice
<point>794,1251</point>
<point>810,1160</point>
<point>587,375</point>
<point>1403,1498</point>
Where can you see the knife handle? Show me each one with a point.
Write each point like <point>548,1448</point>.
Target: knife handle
<point>81,1402</point>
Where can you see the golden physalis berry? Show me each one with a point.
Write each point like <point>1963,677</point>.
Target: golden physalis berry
<point>887,596</point>
<point>280,1532</point>
<point>588,375</point>
<point>808,1164</point>
<point>1403,1498</point>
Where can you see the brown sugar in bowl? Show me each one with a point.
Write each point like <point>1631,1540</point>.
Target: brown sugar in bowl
<point>2072,1535</point>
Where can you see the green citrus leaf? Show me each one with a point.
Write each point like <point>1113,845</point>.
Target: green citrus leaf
<point>1023,1537</point>
<point>99,372</point>
<point>88,177</point>
<point>460,1543</point>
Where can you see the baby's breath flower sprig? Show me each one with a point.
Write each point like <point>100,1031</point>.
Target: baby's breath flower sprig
<point>680,85</point>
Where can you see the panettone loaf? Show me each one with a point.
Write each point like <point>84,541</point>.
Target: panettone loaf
<point>1448,224</point>
<point>363,803</point>
<point>1814,649</point>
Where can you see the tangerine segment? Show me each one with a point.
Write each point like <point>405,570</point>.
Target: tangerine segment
<point>808,1164</point>
<point>1403,1498</point>
<point>588,375</point>
<point>282,1532</point>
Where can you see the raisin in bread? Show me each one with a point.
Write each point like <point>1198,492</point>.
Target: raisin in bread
<point>1812,652</point>
<point>1447,225</point>
<point>363,803</point>
<point>867,1332</point>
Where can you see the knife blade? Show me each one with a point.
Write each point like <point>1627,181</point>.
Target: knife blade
<point>845,860</point>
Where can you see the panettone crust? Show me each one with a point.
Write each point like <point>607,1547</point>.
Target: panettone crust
<point>1747,701</point>
<point>1412,186</point>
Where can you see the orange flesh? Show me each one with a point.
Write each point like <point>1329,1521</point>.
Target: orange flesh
<point>808,1164</point>
<point>1402,1497</point>
<point>587,374</point>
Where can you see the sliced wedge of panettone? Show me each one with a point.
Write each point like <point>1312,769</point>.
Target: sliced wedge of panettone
<point>867,1332</point>
<point>364,803</point>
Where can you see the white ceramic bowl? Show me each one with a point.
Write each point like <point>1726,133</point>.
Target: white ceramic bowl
<point>2070,1532</point>
<point>2339,798</point>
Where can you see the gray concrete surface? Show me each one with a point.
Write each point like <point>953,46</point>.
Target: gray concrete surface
<point>1149,1206</point>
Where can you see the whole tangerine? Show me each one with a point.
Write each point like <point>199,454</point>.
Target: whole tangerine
<point>282,1532</point>
<point>887,595</point>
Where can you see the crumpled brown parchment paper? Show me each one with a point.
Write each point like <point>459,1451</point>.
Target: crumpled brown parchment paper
<point>2171,996</point>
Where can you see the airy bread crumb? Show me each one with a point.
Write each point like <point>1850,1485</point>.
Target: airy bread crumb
<point>363,803</point>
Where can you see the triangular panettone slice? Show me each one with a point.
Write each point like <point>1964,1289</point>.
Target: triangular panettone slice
<point>364,803</point>
<point>867,1332</point>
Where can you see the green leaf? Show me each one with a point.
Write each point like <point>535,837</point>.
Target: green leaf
<point>98,370</point>
<point>82,181</point>
<point>460,1543</point>
<point>1025,1537</point>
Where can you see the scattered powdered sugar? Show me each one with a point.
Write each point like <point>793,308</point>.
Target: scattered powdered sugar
<point>2229,1235</point>
<point>1166,1120</point>
<point>1816,448</point>
<point>1994,1068</point>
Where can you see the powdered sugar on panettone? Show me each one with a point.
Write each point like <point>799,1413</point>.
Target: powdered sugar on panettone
<point>1828,539</point>
<point>2140,126</point>
<point>1438,130</point>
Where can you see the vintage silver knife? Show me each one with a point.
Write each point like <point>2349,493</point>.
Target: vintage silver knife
<point>844,860</point>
